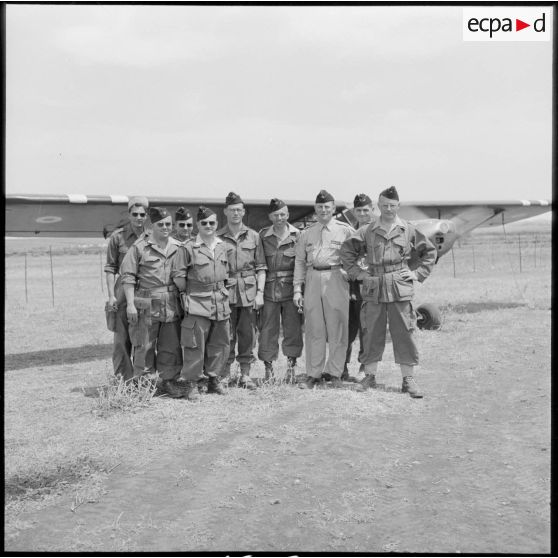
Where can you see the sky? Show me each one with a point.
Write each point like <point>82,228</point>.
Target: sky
<point>272,101</point>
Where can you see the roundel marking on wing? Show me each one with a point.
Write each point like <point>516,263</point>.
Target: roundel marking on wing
<point>525,202</point>
<point>48,219</point>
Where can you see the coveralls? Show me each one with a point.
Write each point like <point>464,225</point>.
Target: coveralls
<point>278,297</point>
<point>205,331</point>
<point>326,296</point>
<point>118,244</point>
<point>156,347</point>
<point>386,296</point>
<point>247,257</point>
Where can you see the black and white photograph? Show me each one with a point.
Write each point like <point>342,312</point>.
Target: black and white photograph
<point>278,278</point>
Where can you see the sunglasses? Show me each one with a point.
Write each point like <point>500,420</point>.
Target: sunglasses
<point>135,214</point>
<point>182,225</point>
<point>210,223</point>
<point>161,224</point>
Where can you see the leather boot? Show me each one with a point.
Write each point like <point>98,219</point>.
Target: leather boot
<point>410,386</point>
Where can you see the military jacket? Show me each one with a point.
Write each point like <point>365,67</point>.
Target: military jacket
<point>148,267</point>
<point>280,258</point>
<point>384,255</point>
<point>206,273</point>
<point>247,257</point>
<point>319,245</point>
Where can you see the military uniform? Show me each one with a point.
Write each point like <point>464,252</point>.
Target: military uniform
<point>157,346</point>
<point>205,331</point>
<point>247,258</point>
<point>278,297</point>
<point>386,296</point>
<point>326,296</point>
<point>118,245</point>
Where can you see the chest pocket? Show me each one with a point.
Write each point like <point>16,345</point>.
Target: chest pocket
<point>399,246</point>
<point>151,261</point>
<point>289,252</point>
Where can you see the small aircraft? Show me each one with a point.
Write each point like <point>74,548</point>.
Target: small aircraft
<point>92,216</point>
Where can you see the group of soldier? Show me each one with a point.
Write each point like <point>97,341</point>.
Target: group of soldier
<point>186,305</point>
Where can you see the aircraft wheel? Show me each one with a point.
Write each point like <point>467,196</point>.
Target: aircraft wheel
<point>429,317</point>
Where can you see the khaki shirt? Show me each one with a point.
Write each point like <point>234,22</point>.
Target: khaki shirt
<point>385,255</point>
<point>148,267</point>
<point>206,272</point>
<point>118,245</point>
<point>319,245</point>
<point>280,259</point>
<point>247,257</point>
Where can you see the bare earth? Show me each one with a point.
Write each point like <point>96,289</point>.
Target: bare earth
<point>466,469</point>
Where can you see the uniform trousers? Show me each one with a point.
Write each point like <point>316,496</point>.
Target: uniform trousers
<point>122,346</point>
<point>162,353</point>
<point>402,322</point>
<point>242,328</point>
<point>326,317</point>
<point>273,313</point>
<point>205,345</point>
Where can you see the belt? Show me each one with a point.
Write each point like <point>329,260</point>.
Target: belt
<point>273,274</point>
<point>375,270</point>
<point>154,290</point>
<point>193,285</point>
<point>326,267</point>
<point>245,273</point>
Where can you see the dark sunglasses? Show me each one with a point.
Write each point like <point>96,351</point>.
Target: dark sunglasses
<point>182,225</point>
<point>160,224</point>
<point>135,214</point>
<point>205,223</point>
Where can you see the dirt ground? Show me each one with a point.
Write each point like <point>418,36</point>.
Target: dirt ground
<point>466,469</point>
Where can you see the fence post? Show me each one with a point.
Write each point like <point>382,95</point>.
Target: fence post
<point>453,259</point>
<point>51,274</point>
<point>474,265</point>
<point>26,298</point>
<point>519,246</point>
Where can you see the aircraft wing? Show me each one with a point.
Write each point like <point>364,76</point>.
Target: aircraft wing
<point>93,216</point>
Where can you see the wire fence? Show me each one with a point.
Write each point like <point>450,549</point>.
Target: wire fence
<point>47,276</point>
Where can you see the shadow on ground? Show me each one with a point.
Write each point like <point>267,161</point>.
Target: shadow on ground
<point>474,307</point>
<point>52,357</point>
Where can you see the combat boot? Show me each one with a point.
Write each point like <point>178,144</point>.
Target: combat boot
<point>410,386</point>
<point>336,382</point>
<point>367,382</point>
<point>189,390</point>
<point>345,374</point>
<point>246,382</point>
<point>170,388</point>
<point>214,386</point>
<point>309,383</point>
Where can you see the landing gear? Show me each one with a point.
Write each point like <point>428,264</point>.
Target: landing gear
<point>429,316</point>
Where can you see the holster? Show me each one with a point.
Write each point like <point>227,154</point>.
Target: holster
<point>370,289</point>
<point>139,332</point>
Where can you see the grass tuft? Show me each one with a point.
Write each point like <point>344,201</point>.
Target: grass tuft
<point>120,395</point>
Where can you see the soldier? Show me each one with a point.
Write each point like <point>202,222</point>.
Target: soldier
<point>363,211</point>
<point>153,308</point>
<point>118,244</point>
<point>387,287</point>
<point>326,300</point>
<point>184,225</point>
<point>247,285</point>
<point>200,271</point>
<point>279,248</point>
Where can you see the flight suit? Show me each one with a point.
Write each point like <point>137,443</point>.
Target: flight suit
<point>326,296</point>
<point>278,297</point>
<point>205,331</point>
<point>156,336</point>
<point>247,257</point>
<point>118,244</point>
<point>386,296</point>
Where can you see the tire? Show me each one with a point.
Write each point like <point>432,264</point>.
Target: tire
<point>429,317</point>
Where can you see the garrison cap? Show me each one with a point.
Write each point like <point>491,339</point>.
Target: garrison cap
<point>324,197</point>
<point>204,213</point>
<point>138,200</point>
<point>232,199</point>
<point>157,213</point>
<point>275,204</point>
<point>182,214</point>
<point>390,193</point>
<point>361,200</point>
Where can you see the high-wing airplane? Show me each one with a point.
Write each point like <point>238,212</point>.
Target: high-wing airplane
<point>92,216</point>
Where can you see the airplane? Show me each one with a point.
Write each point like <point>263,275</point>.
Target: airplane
<point>92,216</point>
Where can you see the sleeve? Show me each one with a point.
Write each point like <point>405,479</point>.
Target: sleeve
<point>130,266</point>
<point>261,263</point>
<point>352,251</point>
<point>180,263</point>
<point>112,255</point>
<point>425,252</point>
<point>300,260</point>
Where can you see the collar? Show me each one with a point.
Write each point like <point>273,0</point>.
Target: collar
<point>377,224</point>
<point>291,228</point>
<point>199,241</point>
<point>226,231</point>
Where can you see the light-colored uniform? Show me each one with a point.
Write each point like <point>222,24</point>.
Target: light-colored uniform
<point>205,331</point>
<point>278,297</point>
<point>247,257</point>
<point>326,296</point>
<point>386,295</point>
<point>156,347</point>
<point>118,245</point>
